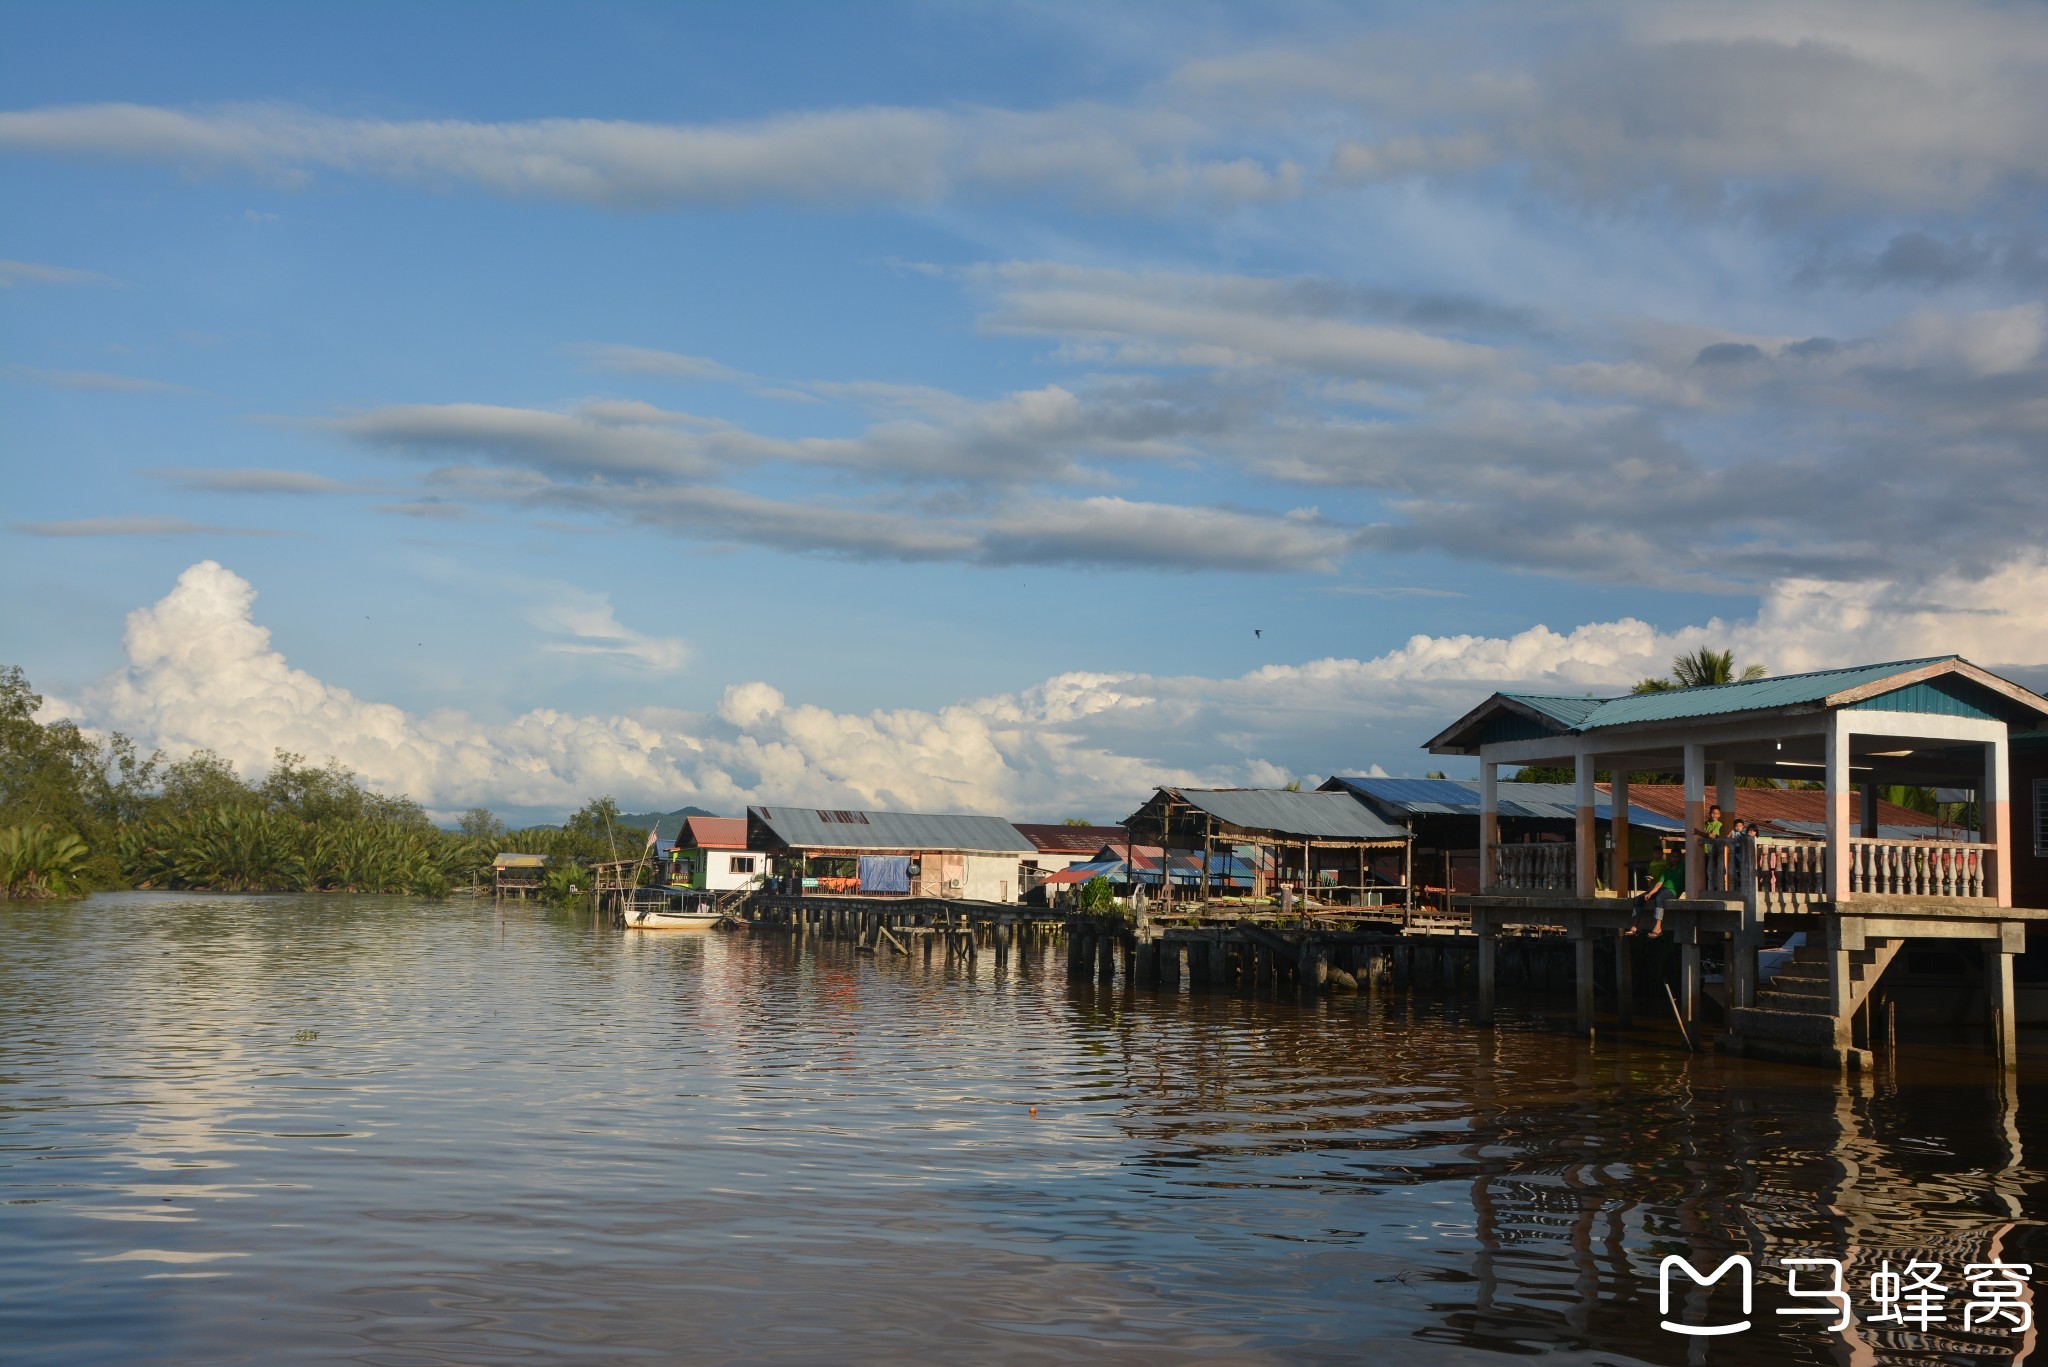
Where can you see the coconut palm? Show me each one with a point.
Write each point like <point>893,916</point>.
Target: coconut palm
<point>1701,668</point>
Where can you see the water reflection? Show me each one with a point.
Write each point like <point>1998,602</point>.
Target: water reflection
<point>324,1129</point>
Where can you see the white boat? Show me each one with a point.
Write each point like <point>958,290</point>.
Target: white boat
<point>691,916</point>
<point>654,918</point>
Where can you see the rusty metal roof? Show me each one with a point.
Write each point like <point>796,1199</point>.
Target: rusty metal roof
<point>1069,839</point>
<point>712,833</point>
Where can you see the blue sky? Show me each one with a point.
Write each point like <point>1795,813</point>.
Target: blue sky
<point>997,407</point>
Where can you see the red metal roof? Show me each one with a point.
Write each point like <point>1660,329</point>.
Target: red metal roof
<point>1770,804</point>
<point>713,833</point>
<point>1069,839</point>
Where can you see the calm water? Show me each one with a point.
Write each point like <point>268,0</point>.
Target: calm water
<point>295,1129</point>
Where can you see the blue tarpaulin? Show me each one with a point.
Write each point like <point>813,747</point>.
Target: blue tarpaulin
<point>885,873</point>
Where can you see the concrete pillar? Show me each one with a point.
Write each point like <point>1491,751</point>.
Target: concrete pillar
<point>1695,816</point>
<point>1489,820</point>
<point>1585,829</point>
<point>1999,1000</point>
<point>1483,978</point>
<point>1724,791</point>
<point>1617,830</point>
<point>1689,980</point>
<point>1169,965</point>
<point>1624,981</point>
<point>1837,779</point>
<point>1994,822</point>
<point>1105,958</point>
<point>1583,946</point>
<point>1840,983</point>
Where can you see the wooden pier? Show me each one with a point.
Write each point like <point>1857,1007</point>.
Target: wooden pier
<point>1206,947</point>
<point>962,929</point>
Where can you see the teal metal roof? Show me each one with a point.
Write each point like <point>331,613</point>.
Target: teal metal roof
<point>1570,711</point>
<point>1754,695</point>
<point>1959,690</point>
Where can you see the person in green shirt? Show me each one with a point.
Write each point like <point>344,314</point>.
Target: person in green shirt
<point>1667,880</point>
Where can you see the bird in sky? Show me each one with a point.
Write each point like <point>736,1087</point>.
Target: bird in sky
<point>1258,634</point>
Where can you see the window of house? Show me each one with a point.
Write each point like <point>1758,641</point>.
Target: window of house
<point>743,863</point>
<point>2041,818</point>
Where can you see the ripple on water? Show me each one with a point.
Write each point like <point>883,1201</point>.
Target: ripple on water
<point>379,1130</point>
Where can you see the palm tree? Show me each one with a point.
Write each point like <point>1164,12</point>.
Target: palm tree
<point>1700,668</point>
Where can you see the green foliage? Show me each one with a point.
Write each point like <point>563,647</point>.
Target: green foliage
<point>253,849</point>
<point>1076,821</point>
<point>565,883</point>
<point>591,835</point>
<point>37,861</point>
<point>203,782</point>
<point>331,793</point>
<point>54,774</point>
<point>1096,897</point>
<point>480,824</point>
<point>78,813</point>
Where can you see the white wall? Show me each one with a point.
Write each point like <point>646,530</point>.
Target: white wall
<point>719,873</point>
<point>991,877</point>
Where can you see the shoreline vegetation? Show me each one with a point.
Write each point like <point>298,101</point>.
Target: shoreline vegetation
<point>81,814</point>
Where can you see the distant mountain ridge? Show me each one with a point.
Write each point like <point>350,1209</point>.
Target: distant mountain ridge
<point>664,824</point>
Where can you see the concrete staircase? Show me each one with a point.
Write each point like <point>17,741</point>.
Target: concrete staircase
<point>1794,1018</point>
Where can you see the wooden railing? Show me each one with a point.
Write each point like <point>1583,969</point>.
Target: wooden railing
<point>1547,867</point>
<point>1918,868</point>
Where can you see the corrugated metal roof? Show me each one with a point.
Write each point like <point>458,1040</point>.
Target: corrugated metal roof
<point>1784,690</point>
<point>1570,711</point>
<point>1460,797</point>
<point>1068,839</point>
<point>712,833</point>
<point>1317,815</point>
<point>813,829</point>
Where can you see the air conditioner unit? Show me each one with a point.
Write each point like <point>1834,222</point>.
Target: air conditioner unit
<point>952,885</point>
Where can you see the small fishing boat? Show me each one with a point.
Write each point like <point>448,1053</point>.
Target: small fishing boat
<point>661,918</point>
<point>652,910</point>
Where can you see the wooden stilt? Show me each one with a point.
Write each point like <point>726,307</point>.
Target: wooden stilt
<point>1583,947</point>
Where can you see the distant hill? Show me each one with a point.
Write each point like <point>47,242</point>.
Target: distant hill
<point>665,824</point>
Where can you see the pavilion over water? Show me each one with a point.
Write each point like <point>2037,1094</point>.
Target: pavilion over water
<point>1940,722</point>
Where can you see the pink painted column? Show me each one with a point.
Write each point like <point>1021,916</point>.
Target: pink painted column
<point>1489,821</point>
<point>1617,830</point>
<point>1695,818</point>
<point>1994,821</point>
<point>1585,828</point>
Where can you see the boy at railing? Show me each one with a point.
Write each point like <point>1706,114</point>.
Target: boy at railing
<point>1667,880</point>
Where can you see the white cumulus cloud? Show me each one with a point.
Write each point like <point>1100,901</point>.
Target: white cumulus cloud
<point>202,673</point>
